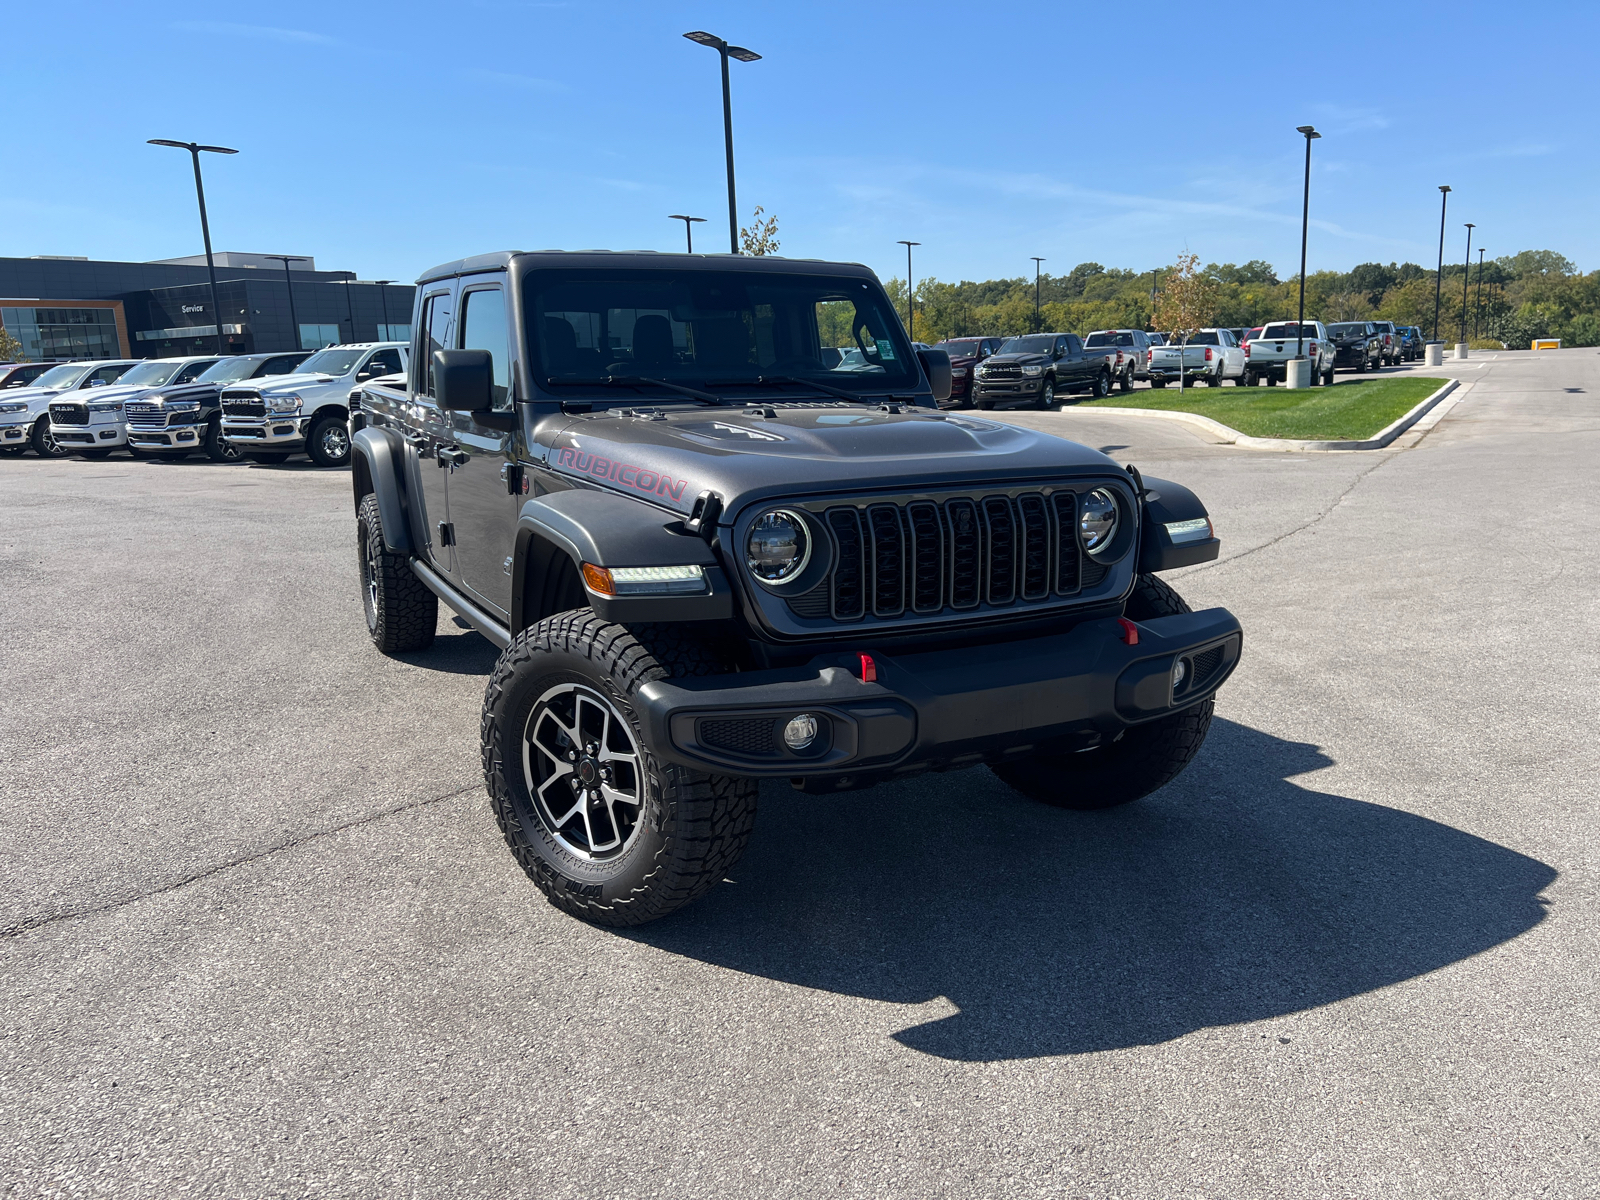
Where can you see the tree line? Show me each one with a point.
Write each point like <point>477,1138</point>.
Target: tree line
<point>1534,294</point>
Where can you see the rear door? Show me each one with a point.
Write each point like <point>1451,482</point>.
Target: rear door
<point>483,504</point>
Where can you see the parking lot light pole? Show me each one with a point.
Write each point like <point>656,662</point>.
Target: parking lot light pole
<point>194,149</point>
<point>1477,317</point>
<point>383,299</point>
<point>288,282</point>
<point>743,55</point>
<point>688,226</point>
<point>911,301</point>
<point>1466,279</point>
<point>1038,325</point>
<point>1305,221</point>
<point>1438,279</point>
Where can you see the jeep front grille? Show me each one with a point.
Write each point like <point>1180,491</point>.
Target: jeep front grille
<point>925,557</point>
<point>146,416</point>
<point>69,414</point>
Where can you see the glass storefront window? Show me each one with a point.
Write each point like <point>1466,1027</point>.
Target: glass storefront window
<point>394,333</point>
<point>315,337</point>
<point>47,333</point>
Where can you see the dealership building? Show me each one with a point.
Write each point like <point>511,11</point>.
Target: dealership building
<point>61,308</point>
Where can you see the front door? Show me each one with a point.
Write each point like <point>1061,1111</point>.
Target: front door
<point>483,505</point>
<point>427,432</point>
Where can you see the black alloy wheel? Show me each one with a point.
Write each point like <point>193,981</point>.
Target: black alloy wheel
<point>218,449</point>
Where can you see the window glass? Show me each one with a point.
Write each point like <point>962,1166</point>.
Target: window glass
<point>483,327</point>
<point>315,337</point>
<point>395,333</point>
<point>435,335</point>
<point>1074,346</point>
<point>193,371</point>
<point>154,373</point>
<point>1035,343</point>
<point>1203,339</point>
<point>108,374</point>
<point>383,362</point>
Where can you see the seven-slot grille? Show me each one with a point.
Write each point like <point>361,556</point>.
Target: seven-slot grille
<point>925,557</point>
<point>145,416</point>
<point>69,414</point>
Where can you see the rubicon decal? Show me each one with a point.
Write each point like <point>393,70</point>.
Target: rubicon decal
<point>627,474</point>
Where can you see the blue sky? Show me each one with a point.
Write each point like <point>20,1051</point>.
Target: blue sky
<point>386,138</point>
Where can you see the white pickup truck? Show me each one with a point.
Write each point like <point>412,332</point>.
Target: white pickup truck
<point>1268,354</point>
<point>309,410</point>
<point>1210,355</point>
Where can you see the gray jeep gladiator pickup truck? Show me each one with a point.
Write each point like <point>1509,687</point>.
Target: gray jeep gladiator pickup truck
<point>709,558</point>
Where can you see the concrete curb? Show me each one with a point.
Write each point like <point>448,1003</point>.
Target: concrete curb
<point>1227,436</point>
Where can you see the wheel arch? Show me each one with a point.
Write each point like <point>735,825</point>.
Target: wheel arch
<point>375,466</point>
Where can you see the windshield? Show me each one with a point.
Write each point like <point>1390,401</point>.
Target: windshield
<point>1037,343</point>
<point>1343,331</point>
<point>64,376</point>
<point>229,370</point>
<point>1111,338</point>
<point>150,374</point>
<point>329,362</point>
<point>1286,330</point>
<point>710,328</point>
<point>961,347</point>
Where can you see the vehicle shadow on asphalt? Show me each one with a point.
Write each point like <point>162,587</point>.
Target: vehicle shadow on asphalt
<point>1235,894</point>
<point>457,652</point>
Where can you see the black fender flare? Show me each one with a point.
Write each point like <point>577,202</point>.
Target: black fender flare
<point>376,467</point>
<point>1165,503</point>
<point>608,530</point>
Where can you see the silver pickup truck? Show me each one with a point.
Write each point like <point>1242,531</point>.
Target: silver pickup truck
<point>1267,355</point>
<point>1211,355</point>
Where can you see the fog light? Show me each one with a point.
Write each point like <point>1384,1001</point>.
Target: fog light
<point>800,732</point>
<point>1180,672</point>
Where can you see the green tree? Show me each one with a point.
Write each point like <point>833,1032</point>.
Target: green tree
<point>760,237</point>
<point>10,348</point>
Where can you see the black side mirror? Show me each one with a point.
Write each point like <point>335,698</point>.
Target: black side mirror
<point>936,364</point>
<point>463,380</point>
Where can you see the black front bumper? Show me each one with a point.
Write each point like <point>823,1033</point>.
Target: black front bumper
<point>941,709</point>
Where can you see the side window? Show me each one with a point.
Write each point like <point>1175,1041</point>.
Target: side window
<point>193,371</point>
<point>1061,346</point>
<point>433,335</point>
<point>281,365</point>
<point>1074,346</point>
<point>382,362</point>
<point>105,375</point>
<point>483,327</point>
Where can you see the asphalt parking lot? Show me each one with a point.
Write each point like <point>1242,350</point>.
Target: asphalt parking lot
<point>261,937</point>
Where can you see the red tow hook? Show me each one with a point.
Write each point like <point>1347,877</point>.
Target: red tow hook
<point>869,669</point>
<point>1129,634</point>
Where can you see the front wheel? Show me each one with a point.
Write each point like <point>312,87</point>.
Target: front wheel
<point>44,442</point>
<point>1047,395</point>
<point>218,449</point>
<point>609,832</point>
<point>1135,763</point>
<point>328,442</point>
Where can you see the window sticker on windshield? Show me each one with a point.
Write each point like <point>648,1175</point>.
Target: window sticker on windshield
<point>885,350</point>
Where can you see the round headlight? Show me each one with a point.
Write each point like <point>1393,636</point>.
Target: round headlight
<point>779,546</point>
<point>1098,520</point>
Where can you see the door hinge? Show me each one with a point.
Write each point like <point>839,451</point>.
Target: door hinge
<point>507,564</point>
<point>447,534</point>
<point>513,477</point>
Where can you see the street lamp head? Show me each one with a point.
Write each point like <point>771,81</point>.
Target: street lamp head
<point>1469,225</point>
<point>682,217</point>
<point>742,54</point>
<point>192,147</point>
<point>903,242</point>
<point>1309,130</point>
<point>706,39</point>
<point>1444,187</point>
<point>167,142</point>
<point>217,149</point>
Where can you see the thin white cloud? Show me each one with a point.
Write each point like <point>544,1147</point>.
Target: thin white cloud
<point>526,82</point>
<point>1338,118</point>
<point>264,32</point>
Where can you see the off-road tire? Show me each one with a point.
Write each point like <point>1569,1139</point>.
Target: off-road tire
<point>401,612</point>
<point>44,445</point>
<point>691,828</point>
<point>217,448</point>
<point>318,447</point>
<point>1140,760</point>
<point>270,457</point>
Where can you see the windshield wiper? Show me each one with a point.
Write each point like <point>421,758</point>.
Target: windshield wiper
<point>639,381</point>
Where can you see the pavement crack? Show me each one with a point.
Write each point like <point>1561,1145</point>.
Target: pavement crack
<point>29,924</point>
<point>1287,534</point>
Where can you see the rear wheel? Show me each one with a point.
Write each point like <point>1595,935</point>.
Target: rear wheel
<point>1135,763</point>
<point>44,442</point>
<point>401,612</point>
<point>1327,377</point>
<point>328,442</point>
<point>608,832</point>
<point>1102,385</point>
<point>1126,382</point>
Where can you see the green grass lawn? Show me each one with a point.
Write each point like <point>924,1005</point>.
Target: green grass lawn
<point>1351,409</point>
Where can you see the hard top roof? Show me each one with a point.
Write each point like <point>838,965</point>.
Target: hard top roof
<point>638,260</point>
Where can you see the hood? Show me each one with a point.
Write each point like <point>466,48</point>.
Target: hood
<point>674,455</point>
<point>1017,358</point>
<point>277,385</point>
<point>113,393</point>
<point>35,398</point>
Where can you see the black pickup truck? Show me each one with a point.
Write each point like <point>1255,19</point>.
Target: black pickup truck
<point>710,558</point>
<point>1036,367</point>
